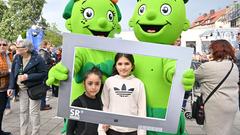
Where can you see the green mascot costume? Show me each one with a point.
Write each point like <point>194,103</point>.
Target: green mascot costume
<point>90,17</point>
<point>160,21</point>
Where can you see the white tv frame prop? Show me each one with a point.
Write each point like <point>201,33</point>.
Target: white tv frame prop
<point>182,55</point>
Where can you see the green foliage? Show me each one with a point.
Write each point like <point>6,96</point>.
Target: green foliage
<point>24,34</point>
<point>3,8</point>
<point>18,16</point>
<point>53,35</point>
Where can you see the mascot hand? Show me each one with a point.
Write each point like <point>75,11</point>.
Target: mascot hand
<point>56,74</point>
<point>188,79</point>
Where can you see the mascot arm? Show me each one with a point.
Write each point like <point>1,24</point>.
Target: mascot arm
<point>56,74</point>
<point>169,69</point>
<point>78,59</point>
<point>59,72</point>
<point>188,79</point>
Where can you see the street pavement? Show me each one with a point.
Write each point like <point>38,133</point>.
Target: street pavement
<point>51,124</point>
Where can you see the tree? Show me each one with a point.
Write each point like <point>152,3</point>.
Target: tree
<point>3,8</point>
<point>53,35</point>
<point>19,16</point>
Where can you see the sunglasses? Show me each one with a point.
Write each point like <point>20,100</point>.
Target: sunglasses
<point>20,47</point>
<point>3,44</point>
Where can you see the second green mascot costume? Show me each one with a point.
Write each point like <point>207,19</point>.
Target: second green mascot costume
<point>159,21</point>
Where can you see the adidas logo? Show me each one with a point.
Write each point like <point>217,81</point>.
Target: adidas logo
<point>123,92</point>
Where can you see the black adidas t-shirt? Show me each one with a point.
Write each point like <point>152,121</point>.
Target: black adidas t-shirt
<point>77,127</point>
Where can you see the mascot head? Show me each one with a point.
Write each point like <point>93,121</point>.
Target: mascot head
<point>35,34</point>
<point>93,17</point>
<point>159,21</point>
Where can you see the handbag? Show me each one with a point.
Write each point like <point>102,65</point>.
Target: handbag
<point>198,105</point>
<point>36,92</point>
<point>198,110</point>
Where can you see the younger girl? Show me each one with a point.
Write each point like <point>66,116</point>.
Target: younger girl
<point>92,84</point>
<point>125,90</point>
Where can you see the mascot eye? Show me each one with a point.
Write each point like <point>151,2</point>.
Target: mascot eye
<point>88,13</point>
<point>110,15</point>
<point>142,9</point>
<point>166,9</point>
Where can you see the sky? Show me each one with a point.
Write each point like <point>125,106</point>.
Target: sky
<point>53,10</point>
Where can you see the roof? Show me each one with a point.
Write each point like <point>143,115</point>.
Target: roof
<point>209,18</point>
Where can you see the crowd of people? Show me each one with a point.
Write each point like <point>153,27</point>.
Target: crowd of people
<point>201,57</point>
<point>20,68</point>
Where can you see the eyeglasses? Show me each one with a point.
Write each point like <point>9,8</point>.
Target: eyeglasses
<point>20,47</point>
<point>3,44</point>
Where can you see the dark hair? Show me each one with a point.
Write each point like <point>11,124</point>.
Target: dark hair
<point>9,47</point>
<point>95,71</point>
<point>222,49</point>
<point>59,49</point>
<point>118,56</point>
